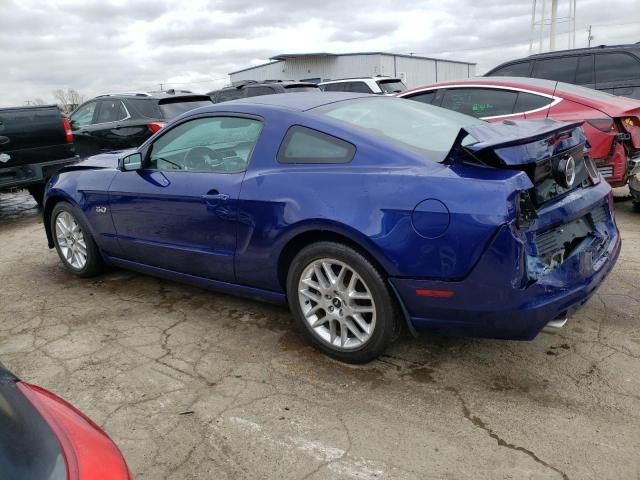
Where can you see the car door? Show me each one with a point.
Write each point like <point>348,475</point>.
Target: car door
<point>113,128</point>
<point>179,211</point>
<point>82,120</point>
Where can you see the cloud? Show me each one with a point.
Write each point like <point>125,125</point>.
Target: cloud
<point>97,46</point>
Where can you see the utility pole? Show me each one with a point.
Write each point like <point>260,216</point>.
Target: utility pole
<point>554,18</point>
<point>533,26</point>
<point>590,37</point>
<point>161,85</point>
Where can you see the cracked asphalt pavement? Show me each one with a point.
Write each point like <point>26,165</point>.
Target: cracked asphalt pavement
<point>198,385</point>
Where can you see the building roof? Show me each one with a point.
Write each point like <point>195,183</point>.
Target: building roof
<point>290,56</point>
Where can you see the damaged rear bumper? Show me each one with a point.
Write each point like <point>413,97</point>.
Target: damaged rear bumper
<point>499,300</point>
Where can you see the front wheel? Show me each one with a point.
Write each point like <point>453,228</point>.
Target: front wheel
<point>74,242</point>
<point>341,302</point>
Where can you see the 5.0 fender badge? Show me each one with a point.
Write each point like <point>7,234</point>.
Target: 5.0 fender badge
<point>101,209</point>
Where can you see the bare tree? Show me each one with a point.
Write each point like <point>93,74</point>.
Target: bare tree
<point>68,99</point>
<point>36,101</point>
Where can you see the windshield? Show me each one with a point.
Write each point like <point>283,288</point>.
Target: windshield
<point>391,86</point>
<point>425,129</point>
<point>173,109</point>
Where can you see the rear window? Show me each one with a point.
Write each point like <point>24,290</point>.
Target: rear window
<point>305,145</point>
<point>230,94</point>
<point>334,87</point>
<point>174,108</point>
<point>562,69</point>
<point>260,90</point>
<point>424,129</point>
<point>301,88</point>
<point>145,107</point>
<point>513,70</point>
<point>391,86</point>
<point>614,67</point>
<point>357,87</point>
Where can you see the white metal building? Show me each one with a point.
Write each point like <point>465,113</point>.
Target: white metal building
<point>319,67</point>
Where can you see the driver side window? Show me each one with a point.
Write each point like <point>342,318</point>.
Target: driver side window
<point>212,144</point>
<point>84,115</point>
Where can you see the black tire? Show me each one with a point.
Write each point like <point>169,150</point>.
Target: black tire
<point>636,206</point>
<point>94,264</point>
<point>37,192</point>
<point>386,325</point>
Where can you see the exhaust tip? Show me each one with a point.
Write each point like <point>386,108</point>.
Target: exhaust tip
<point>558,322</point>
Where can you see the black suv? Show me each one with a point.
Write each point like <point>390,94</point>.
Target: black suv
<point>614,69</point>
<point>125,120</point>
<point>252,88</point>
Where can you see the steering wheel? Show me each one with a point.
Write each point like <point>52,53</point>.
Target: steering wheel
<point>202,158</point>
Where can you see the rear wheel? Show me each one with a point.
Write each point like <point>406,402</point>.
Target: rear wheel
<point>341,302</point>
<point>74,243</point>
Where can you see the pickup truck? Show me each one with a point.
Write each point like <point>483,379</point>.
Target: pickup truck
<point>35,142</point>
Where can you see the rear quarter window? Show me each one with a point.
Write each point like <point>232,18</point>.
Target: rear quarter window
<point>528,101</point>
<point>615,67</point>
<point>305,145</point>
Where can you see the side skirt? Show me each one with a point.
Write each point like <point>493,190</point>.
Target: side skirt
<point>224,287</point>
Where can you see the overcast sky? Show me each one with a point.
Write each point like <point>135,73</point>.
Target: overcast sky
<point>98,46</point>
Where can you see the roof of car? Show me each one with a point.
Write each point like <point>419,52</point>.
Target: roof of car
<point>252,83</point>
<point>629,46</point>
<point>156,95</point>
<point>351,79</point>
<point>300,101</point>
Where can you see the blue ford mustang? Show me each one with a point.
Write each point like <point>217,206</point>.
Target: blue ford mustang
<point>361,212</point>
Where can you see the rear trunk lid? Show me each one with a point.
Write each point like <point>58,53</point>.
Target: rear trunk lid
<point>551,153</point>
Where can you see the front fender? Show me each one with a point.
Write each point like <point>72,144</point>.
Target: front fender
<point>83,189</point>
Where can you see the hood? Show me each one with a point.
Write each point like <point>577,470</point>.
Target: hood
<point>519,142</point>
<point>102,160</point>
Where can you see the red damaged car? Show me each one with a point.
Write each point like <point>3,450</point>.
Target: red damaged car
<point>611,123</point>
<point>42,437</point>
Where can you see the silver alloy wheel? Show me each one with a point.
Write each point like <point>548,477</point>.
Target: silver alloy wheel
<point>337,304</point>
<point>71,241</point>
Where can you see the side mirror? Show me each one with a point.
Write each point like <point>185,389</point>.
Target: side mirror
<point>131,162</point>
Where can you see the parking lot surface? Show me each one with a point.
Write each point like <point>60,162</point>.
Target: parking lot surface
<point>197,385</point>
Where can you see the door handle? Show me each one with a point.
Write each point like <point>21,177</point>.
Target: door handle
<point>84,132</point>
<point>4,140</point>
<point>214,195</point>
